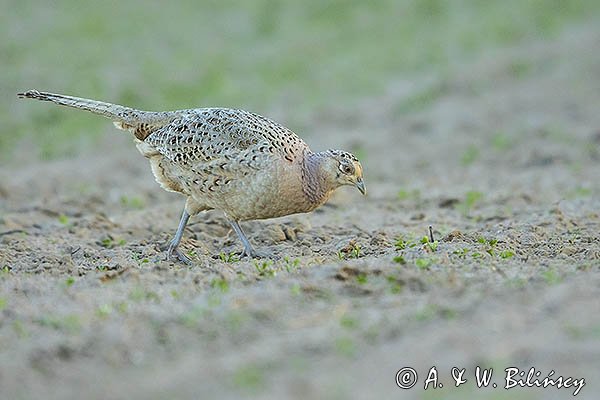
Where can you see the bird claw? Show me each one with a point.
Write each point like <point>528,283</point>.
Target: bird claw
<point>174,253</point>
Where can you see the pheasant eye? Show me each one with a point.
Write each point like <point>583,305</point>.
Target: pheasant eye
<point>346,169</point>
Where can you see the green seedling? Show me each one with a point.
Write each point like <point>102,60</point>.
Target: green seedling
<point>67,323</point>
<point>424,263</point>
<point>361,279</point>
<point>291,265</point>
<point>470,155</point>
<point>345,346</point>
<point>501,142</point>
<point>220,284</point>
<point>399,259</point>
<point>104,310</point>
<point>109,243</point>
<point>471,199</point>
<point>400,243</point>
<point>265,268</point>
<point>63,219</point>
<point>355,251</point>
<point>462,253</point>
<point>428,245</point>
<point>138,294</point>
<point>139,259</point>
<point>192,254</point>
<point>519,68</point>
<point>348,322</point>
<point>122,307</point>
<point>229,258</point>
<point>135,203</point>
<point>296,289</point>
<point>395,285</point>
<point>551,277</point>
<point>19,329</point>
<point>249,378</point>
<point>404,194</point>
<point>352,250</point>
<point>422,99</point>
<point>507,254</point>
<point>69,281</point>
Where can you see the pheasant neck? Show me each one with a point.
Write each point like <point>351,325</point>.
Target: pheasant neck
<point>314,182</point>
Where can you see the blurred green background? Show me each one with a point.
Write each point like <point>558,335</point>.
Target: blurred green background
<point>296,58</point>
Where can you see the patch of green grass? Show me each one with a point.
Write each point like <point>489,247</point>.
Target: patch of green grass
<point>63,219</point>
<point>461,253</point>
<point>471,199</point>
<point>470,155</point>
<point>551,277</point>
<point>399,259</point>
<point>139,258</point>
<point>405,194</point>
<point>291,265</point>
<point>139,294</point>
<point>348,322</point>
<point>133,203</point>
<point>428,245</point>
<point>220,284</point>
<point>355,251</point>
<point>69,281</point>
<point>400,243</point>
<point>69,323</point>
<point>350,251</point>
<point>20,329</point>
<point>403,243</point>
<point>109,242</point>
<point>192,254</point>
<point>104,311</point>
<point>520,69</point>
<point>421,99</point>
<point>580,192</point>
<point>193,316</point>
<point>426,313</point>
<point>265,268</point>
<point>362,278</point>
<point>395,285</point>
<point>507,254</point>
<point>249,378</point>
<point>501,142</point>
<point>296,289</point>
<point>425,262</point>
<point>231,70</point>
<point>345,346</point>
<point>229,258</point>
<point>121,307</point>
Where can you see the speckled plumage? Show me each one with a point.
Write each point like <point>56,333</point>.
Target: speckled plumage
<point>246,165</point>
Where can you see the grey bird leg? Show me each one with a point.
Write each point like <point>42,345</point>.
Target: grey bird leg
<point>173,250</point>
<point>248,249</point>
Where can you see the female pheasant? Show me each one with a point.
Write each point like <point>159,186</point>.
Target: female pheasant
<point>241,163</point>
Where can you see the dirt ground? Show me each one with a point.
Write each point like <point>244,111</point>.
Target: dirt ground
<point>501,157</point>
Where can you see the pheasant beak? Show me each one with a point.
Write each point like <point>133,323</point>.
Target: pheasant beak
<point>360,185</point>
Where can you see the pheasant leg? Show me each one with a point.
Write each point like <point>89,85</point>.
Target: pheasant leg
<point>248,249</point>
<point>173,251</point>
